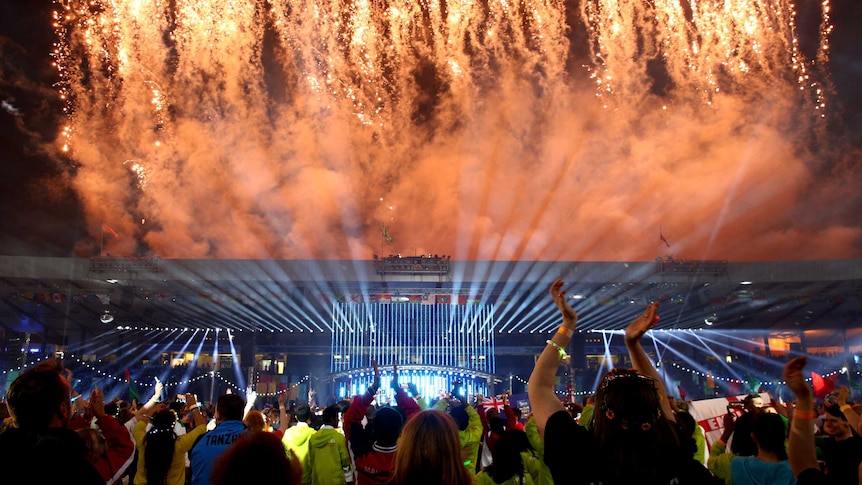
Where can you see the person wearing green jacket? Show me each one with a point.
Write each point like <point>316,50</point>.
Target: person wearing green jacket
<point>328,460</point>
<point>296,437</point>
<point>508,467</point>
<point>469,429</point>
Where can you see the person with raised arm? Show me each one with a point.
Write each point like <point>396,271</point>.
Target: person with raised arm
<point>634,438</point>
<point>373,450</point>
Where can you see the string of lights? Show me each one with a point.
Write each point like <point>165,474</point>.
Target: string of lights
<point>735,380</point>
<point>24,366</point>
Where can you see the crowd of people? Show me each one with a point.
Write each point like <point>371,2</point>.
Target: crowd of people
<point>629,432</point>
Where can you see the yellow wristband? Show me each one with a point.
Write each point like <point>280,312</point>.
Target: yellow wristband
<point>846,406</point>
<point>568,332</point>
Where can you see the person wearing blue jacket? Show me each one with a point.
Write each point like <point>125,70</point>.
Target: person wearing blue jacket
<point>229,428</point>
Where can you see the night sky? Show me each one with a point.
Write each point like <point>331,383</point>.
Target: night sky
<point>491,168</point>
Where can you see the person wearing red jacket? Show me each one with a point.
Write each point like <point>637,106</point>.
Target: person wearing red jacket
<point>113,451</point>
<point>373,448</point>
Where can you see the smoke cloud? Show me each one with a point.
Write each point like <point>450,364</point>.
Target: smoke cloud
<point>534,130</point>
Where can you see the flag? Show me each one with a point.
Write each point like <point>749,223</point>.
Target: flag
<point>682,393</point>
<point>414,299</point>
<point>133,387</point>
<point>109,230</point>
<point>753,383</point>
<point>386,234</point>
<point>661,235</point>
<point>822,387</point>
<point>444,299</point>
<point>429,299</point>
<point>492,403</point>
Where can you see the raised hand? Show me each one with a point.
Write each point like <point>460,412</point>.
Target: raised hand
<point>282,398</point>
<point>375,384</point>
<point>159,387</point>
<point>570,317</point>
<point>645,321</point>
<point>794,378</point>
<point>414,391</point>
<point>394,382</point>
<point>97,403</point>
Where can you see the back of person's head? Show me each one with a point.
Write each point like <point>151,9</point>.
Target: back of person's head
<point>230,407</point>
<point>517,412</point>
<point>636,440</point>
<point>38,396</point>
<point>742,444</point>
<point>302,413</point>
<point>430,452</point>
<point>626,402</point>
<point>496,425</point>
<point>387,426</point>
<point>112,409</point>
<point>254,420</point>
<point>460,416</point>
<point>125,414</point>
<point>94,442</point>
<point>256,458</point>
<point>177,407</point>
<point>769,433</point>
<point>159,445</point>
<point>343,405</point>
<point>330,416</point>
<point>687,425</point>
<point>506,457</point>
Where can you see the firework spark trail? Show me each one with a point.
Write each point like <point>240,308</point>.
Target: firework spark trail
<point>273,129</point>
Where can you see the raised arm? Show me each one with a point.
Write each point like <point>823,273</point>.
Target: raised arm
<point>282,411</point>
<point>157,395</point>
<point>543,399</point>
<point>250,398</point>
<point>849,413</point>
<point>634,332</point>
<point>801,451</point>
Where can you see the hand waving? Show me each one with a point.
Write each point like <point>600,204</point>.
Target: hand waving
<point>570,317</point>
<point>642,323</point>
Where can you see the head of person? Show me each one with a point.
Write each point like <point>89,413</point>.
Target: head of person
<point>387,426</point>
<point>629,427</point>
<point>159,445</point>
<point>687,426</point>
<point>506,457</point>
<point>254,420</point>
<point>430,452</point>
<point>627,403</point>
<point>302,413</point>
<point>460,416</point>
<point>229,408</point>
<point>330,416</point>
<point>742,443</point>
<point>40,397</point>
<point>94,442</point>
<point>752,402</point>
<point>497,425</point>
<point>835,424</point>
<point>273,417</point>
<point>256,458</point>
<point>768,432</point>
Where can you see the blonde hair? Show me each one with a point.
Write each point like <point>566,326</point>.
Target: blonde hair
<point>429,452</point>
<point>254,420</point>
